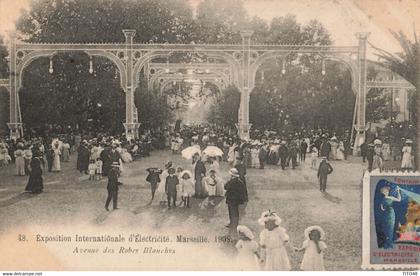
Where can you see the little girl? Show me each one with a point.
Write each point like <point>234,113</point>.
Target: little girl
<point>98,164</point>
<point>314,157</point>
<point>273,240</point>
<point>248,257</point>
<point>313,259</point>
<point>92,170</point>
<point>188,188</point>
<point>211,184</point>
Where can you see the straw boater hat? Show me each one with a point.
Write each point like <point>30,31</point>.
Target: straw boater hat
<point>409,141</point>
<point>267,216</point>
<point>234,172</point>
<point>115,164</point>
<point>314,227</point>
<point>245,231</point>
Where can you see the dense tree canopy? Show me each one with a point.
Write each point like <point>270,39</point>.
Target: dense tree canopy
<point>76,97</point>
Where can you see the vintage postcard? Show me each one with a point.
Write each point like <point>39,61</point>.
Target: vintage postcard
<point>209,135</point>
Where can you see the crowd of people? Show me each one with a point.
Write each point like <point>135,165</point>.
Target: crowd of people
<point>200,185</point>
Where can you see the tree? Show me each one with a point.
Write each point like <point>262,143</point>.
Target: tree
<point>225,110</point>
<point>407,64</point>
<point>76,97</point>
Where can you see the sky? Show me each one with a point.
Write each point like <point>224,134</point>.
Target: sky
<point>342,18</point>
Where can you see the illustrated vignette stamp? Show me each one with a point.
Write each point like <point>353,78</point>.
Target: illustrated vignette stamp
<point>411,251</point>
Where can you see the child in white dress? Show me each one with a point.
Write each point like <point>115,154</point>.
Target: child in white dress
<point>211,185</point>
<point>248,256</point>
<point>313,259</point>
<point>98,164</point>
<point>314,157</point>
<point>92,169</point>
<point>188,188</point>
<point>273,240</point>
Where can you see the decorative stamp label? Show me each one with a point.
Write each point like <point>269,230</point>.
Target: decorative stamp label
<point>391,221</point>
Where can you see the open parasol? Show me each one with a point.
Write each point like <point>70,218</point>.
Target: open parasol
<point>212,151</point>
<point>189,152</point>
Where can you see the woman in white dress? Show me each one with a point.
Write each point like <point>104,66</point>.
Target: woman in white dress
<point>334,146</point>
<point>407,158</point>
<point>273,240</point>
<point>126,156</point>
<point>340,151</point>
<point>386,151</point>
<point>248,256</point>
<point>231,154</point>
<point>65,152</point>
<point>220,187</point>
<point>20,160</point>
<point>56,165</point>
<point>255,150</point>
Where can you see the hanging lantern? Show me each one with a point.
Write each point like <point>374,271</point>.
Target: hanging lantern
<point>90,66</point>
<point>283,67</point>
<point>167,66</point>
<point>323,67</point>
<point>51,70</point>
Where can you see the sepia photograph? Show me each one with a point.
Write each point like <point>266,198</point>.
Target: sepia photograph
<point>209,135</point>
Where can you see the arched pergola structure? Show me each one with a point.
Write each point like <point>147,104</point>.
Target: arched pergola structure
<point>243,61</point>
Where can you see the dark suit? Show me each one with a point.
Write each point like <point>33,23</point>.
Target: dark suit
<point>326,149</point>
<point>283,153</point>
<point>199,171</point>
<point>323,171</point>
<point>170,188</point>
<point>112,188</point>
<point>235,195</point>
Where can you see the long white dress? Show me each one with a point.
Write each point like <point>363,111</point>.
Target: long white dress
<point>407,162</point>
<point>160,191</point>
<point>312,260</point>
<point>255,158</point>
<point>56,165</point>
<point>340,152</point>
<point>246,258</point>
<point>275,252</point>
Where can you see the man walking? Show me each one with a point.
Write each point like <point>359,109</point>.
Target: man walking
<point>303,149</point>
<point>323,171</point>
<point>235,195</point>
<point>112,187</point>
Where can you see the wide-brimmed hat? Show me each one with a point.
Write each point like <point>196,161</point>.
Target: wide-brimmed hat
<point>245,231</point>
<point>234,172</point>
<point>409,141</point>
<point>186,172</point>
<point>314,227</point>
<point>267,216</point>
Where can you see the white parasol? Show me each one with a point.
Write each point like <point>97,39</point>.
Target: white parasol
<point>189,152</point>
<point>213,151</point>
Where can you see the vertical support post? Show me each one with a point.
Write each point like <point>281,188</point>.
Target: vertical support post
<point>245,86</point>
<point>15,125</point>
<point>131,125</point>
<point>361,93</point>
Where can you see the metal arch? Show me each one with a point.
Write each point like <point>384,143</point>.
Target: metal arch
<point>115,60</point>
<point>210,80</point>
<point>163,75</point>
<point>327,55</point>
<point>34,54</point>
<point>28,59</point>
<point>350,66</point>
<point>187,48</point>
<point>213,71</point>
